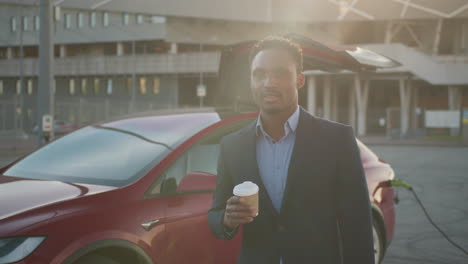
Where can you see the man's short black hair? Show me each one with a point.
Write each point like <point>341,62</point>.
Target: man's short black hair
<point>278,42</point>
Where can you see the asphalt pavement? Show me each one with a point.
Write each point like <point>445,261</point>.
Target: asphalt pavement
<point>439,176</point>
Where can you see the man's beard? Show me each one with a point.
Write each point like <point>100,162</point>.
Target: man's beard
<point>273,110</point>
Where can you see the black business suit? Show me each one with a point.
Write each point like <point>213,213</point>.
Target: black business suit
<point>326,196</point>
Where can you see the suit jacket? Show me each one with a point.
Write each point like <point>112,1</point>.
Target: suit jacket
<point>325,215</point>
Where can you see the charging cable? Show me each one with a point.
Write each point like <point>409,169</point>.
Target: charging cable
<point>401,183</point>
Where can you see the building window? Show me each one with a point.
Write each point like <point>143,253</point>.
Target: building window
<point>105,19</point>
<point>25,23</point>
<point>54,87</point>
<point>80,20</point>
<point>125,19</point>
<point>67,20</point>
<point>156,85</point>
<point>29,113</point>
<point>1,87</point>
<point>57,12</point>
<point>71,86</point>
<point>139,19</point>
<point>142,85</point>
<point>84,86</point>
<point>109,86</point>
<point>18,87</point>
<point>92,19</point>
<point>37,23</point>
<point>97,86</point>
<point>30,86</point>
<point>129,85</point>
<point>13,24</point>
<point>158,19</point>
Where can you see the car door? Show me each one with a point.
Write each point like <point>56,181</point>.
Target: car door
<point>188,185</point>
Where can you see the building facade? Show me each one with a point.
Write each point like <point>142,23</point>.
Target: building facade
<point>113,58</point>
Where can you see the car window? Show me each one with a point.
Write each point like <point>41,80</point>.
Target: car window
<point>92,155</point>
<point>201,157</point>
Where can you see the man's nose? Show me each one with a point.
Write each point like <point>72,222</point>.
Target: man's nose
<point>270,80</point>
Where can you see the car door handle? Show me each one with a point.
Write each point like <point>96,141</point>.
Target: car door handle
<point>150,224</point>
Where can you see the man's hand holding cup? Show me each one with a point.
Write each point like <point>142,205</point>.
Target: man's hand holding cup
<point>243,206</point>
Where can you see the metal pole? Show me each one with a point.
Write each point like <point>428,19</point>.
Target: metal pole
<point>435,46</point>
<point>45,99</point>
<point>201,76</point>
<point>132,99</point>
<point>21,71</point>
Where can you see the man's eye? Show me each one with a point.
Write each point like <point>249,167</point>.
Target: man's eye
<point>259,75</point>
<point>281,74</point>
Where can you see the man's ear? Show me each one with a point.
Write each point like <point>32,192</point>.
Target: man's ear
<point>300,80</point>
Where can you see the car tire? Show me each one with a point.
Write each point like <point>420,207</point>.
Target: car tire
<point>379,248</point>
<point>95,259</point>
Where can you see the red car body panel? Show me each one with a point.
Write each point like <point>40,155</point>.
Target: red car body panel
<point>74,215</point>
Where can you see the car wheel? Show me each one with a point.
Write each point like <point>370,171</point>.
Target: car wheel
<point>378,242</point>
<point>95,259</point>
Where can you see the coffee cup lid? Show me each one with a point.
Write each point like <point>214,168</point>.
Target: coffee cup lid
<point>246,188</point>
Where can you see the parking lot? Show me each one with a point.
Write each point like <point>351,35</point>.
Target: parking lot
<point>439,176</point>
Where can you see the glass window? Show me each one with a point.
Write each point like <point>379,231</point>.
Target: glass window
<point>92,19</point>
<point>37,23</point>
<point>18,87</point>
<point>105,19</point>
<point>25,23</point>
<point>71,86</point>
<point>67,20</point>
<point>142,85</point>
<point>158,19</point>
<point>109,86</point>
<point>80,19</point>
<point>30,86</point>
<point>156,84</point>
<point>13,24</point>
<point>125,19</point>
<point>202,157</point>
<point>100,156</point>
<point>97,86</point>
<point>57,12</point>
<point>139,19</point>
<point>84,86</point>
<point>1,87</point>
<point>129,85</point>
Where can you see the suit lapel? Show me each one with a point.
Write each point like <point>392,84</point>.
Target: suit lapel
<point>250,161</point>
<point>304,143</point>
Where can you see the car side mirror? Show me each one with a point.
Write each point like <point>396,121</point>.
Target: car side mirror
<point>197,181</point>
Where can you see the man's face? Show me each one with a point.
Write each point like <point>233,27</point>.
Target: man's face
<point>275,81</point>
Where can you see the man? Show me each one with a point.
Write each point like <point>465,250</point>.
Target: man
<point>313,199</point>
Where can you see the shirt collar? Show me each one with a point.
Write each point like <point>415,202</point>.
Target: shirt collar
<point>290,125</point>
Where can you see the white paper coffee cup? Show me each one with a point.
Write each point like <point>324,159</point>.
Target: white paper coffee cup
<point>249,191</point>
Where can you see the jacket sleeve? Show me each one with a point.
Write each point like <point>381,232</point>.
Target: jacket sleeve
<point>353,205</point>
<point>222,193</point>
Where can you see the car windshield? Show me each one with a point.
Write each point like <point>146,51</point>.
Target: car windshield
<point>115,153</point>
<point>93,155</point>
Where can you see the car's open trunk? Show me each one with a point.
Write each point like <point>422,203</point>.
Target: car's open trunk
<point>234,83</point>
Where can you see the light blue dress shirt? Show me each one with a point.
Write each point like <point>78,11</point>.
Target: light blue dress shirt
<point>273,158</point>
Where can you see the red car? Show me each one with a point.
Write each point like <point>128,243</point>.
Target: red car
<point>136,190</point>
